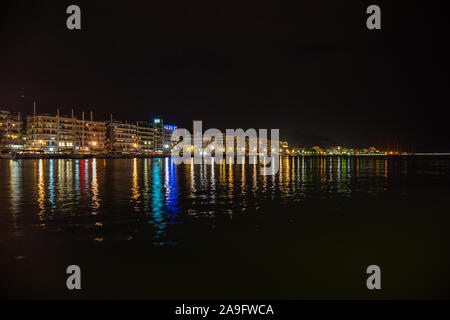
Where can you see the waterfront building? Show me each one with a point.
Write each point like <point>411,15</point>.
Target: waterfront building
<point>158,135</point>
<point>318,150</point>
<point>145,136</point>
<point>250,148</point>
<point>65,133</point>
<point>140,136</point>
<point>124,136</point>
<point>11,130</point>
<point>284,148</point>
<point>168,144</point>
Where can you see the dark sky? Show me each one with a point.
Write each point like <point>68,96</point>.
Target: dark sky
<point>310,68</point>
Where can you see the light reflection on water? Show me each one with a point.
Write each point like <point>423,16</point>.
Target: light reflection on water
<point>124,199</point>
<point>41,190</point>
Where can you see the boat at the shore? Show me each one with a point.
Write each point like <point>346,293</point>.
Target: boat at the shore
<point>6,154</point>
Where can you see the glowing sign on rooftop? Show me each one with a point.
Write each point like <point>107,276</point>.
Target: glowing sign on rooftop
<point>170,127</point>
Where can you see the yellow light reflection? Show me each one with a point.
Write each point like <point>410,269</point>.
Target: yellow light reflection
<point>135,188</point>
<point>192,178</point>
<point>41,190</point>
<point>94,188</point>
<point>15,181</point>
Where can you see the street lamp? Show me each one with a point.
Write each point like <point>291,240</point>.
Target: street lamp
<point>41,142</point>
<point>93,145</point>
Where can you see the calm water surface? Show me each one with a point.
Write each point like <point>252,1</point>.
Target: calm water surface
<point>147,228</point>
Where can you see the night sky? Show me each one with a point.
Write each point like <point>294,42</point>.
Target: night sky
<point>310,68</point>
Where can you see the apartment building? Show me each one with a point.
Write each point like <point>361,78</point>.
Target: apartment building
<point>62,133</point>
<point>168,144</point>
<point>140,136</point>
<point>122,136</point>
<point>158,135</point>
<point>11,129</point>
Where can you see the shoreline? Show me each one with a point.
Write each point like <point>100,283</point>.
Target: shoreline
<point>144,156</point>
<point>19,156</point>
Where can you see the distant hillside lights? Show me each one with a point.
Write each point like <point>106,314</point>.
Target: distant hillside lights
<point>341,151</point>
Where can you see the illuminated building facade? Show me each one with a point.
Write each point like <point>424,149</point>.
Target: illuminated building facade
<point>140,136</point>
<point>158,135</point>
<point>250,148</point>
<point>62,133</point>
<point>168,144</point>
<point>145,135</point>
<point>11,128</point>
<point>130,137</point>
